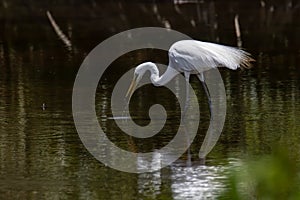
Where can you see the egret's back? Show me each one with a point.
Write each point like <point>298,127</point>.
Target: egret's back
<point>196,56</point>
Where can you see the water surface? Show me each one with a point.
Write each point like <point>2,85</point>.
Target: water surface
<point>41,155</point>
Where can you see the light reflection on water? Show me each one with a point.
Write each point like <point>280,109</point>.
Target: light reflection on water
<point>192,182</point>
<point>197,182</point>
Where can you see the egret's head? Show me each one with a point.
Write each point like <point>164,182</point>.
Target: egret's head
<point>139,71</point>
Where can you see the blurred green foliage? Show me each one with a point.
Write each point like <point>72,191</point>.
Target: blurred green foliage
<point>274,176</point>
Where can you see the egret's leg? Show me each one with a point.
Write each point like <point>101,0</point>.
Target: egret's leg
<point>202,79</point>
<point>187,90</point>
<point>189,156</point>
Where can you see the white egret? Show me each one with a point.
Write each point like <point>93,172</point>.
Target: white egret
<point>192,57</point>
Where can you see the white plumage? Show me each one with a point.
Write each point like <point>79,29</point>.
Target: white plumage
<point>192,57</point>
<point>196,56</point>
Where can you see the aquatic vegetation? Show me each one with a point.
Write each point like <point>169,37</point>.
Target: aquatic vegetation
<point>274,176</point>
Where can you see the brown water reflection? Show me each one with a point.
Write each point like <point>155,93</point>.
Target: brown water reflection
<point>41,155</point>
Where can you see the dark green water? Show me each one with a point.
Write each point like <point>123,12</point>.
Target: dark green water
<point>41,155</point>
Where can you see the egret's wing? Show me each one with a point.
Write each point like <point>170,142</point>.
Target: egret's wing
<point>190,55</point>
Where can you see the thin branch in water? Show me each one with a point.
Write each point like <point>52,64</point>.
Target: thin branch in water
<point>58,31</point>
<point>237,31</point>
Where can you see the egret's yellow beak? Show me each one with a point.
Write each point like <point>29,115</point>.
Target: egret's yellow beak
<point>131,87</point>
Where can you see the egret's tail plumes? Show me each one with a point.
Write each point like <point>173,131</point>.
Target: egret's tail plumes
<point>229,57</point>
<point>245,59</point>
<point>189,55</point>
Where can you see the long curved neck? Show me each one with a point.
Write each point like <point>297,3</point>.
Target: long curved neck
<point>157,80</point>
